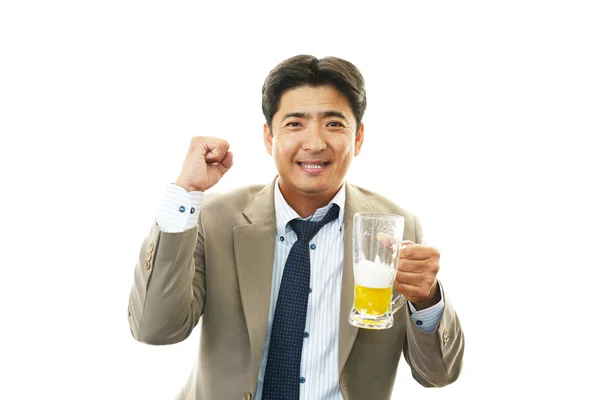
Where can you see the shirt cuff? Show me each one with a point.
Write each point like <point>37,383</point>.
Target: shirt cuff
<point>179,209</point>
<point>428,319</point>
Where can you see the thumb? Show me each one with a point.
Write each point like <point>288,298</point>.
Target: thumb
<point>406,243</point>
<point>227,161</point>
<point>225,164</point>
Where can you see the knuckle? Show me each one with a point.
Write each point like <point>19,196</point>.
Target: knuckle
<point>196,143</point>
<point>430,265</point>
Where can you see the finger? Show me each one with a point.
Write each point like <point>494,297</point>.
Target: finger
<point>388,240</point>
<point>206,143</point>
<point>225,163</point>
<point>414,266</point>
<point>385,240</point>
<point>405,243</point>
<point>409,278</point>
<point>216,150</point>
<point>418,252</point>
<point>412,292</point>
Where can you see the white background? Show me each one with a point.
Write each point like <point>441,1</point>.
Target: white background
<point>482,118</point>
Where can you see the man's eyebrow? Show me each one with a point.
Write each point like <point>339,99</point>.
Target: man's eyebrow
<point>323,114</point>
<point>335,114</point>
<point>296,115</point>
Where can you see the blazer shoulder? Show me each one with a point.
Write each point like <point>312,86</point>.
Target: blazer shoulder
<point>230,203</point>
<point>382,204</point>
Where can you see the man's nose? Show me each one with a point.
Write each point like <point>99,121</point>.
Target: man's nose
<point>314,140</point>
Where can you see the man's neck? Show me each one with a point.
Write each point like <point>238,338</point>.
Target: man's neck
<point>306,204</point>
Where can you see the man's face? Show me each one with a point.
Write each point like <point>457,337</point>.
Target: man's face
<point>313,140</point>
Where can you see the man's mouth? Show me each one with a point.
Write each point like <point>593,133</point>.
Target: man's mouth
<point>313,166</point>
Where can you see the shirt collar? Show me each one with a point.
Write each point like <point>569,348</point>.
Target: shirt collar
<point>284,213</point>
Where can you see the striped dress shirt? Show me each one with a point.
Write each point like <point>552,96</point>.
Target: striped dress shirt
<point>319,365</point>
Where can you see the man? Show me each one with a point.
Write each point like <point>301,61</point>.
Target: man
<point>236,260</point>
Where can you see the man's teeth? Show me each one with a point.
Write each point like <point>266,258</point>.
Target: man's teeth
<point>313,165</point>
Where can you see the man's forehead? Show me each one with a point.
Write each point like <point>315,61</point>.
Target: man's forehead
<point>312,93</point>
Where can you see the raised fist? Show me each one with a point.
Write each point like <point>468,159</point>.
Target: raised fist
<point>207,160</point>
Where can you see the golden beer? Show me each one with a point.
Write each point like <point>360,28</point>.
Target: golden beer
<point>373,302</point>
<point>373,284</point>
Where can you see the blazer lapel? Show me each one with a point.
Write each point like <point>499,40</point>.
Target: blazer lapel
<point>354,203</point>
<point>254,246</point>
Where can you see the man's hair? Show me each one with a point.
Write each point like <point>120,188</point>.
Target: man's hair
<point>306,70</point>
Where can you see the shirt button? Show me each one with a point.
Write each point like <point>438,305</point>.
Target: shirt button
<point>182,209</point>
<point>419,322</point>
<point>313,246</point>
<point>306,334</point>
<point>281,238</point>
<point>192,210</point>
<point>302,380</point>
<point>309,290</point>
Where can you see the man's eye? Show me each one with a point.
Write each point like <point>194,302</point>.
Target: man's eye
<point>294,124</point>
<point>337,124</point>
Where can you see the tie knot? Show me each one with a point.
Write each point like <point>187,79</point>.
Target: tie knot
<point>306,230</point>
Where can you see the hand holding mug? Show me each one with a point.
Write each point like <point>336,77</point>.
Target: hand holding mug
<point>416,277</point>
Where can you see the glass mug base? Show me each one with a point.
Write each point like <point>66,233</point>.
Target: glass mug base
<point>366,321</point>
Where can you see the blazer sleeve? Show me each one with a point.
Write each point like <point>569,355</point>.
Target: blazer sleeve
<point>435,358</point>
<point>167,297</point>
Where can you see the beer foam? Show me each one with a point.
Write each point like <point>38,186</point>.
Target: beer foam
<point>373,274</point>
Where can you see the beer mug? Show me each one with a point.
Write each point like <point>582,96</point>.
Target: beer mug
<point>376,241</point>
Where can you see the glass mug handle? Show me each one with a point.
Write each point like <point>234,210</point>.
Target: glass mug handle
<point>397,303</point>
<point>400,299</point>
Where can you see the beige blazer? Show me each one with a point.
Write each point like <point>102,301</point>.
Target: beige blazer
<point>221,271</point>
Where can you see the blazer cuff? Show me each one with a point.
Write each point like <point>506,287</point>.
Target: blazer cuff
<point>428,319</point>
<point>437,355</point>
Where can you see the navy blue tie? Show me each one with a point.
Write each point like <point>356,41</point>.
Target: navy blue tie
<point>282,376</point>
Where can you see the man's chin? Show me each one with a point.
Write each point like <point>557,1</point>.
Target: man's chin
<point>313,188</point>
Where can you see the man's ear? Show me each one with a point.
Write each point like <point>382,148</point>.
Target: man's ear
<point>358,139</point>
<point>268,139</point>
